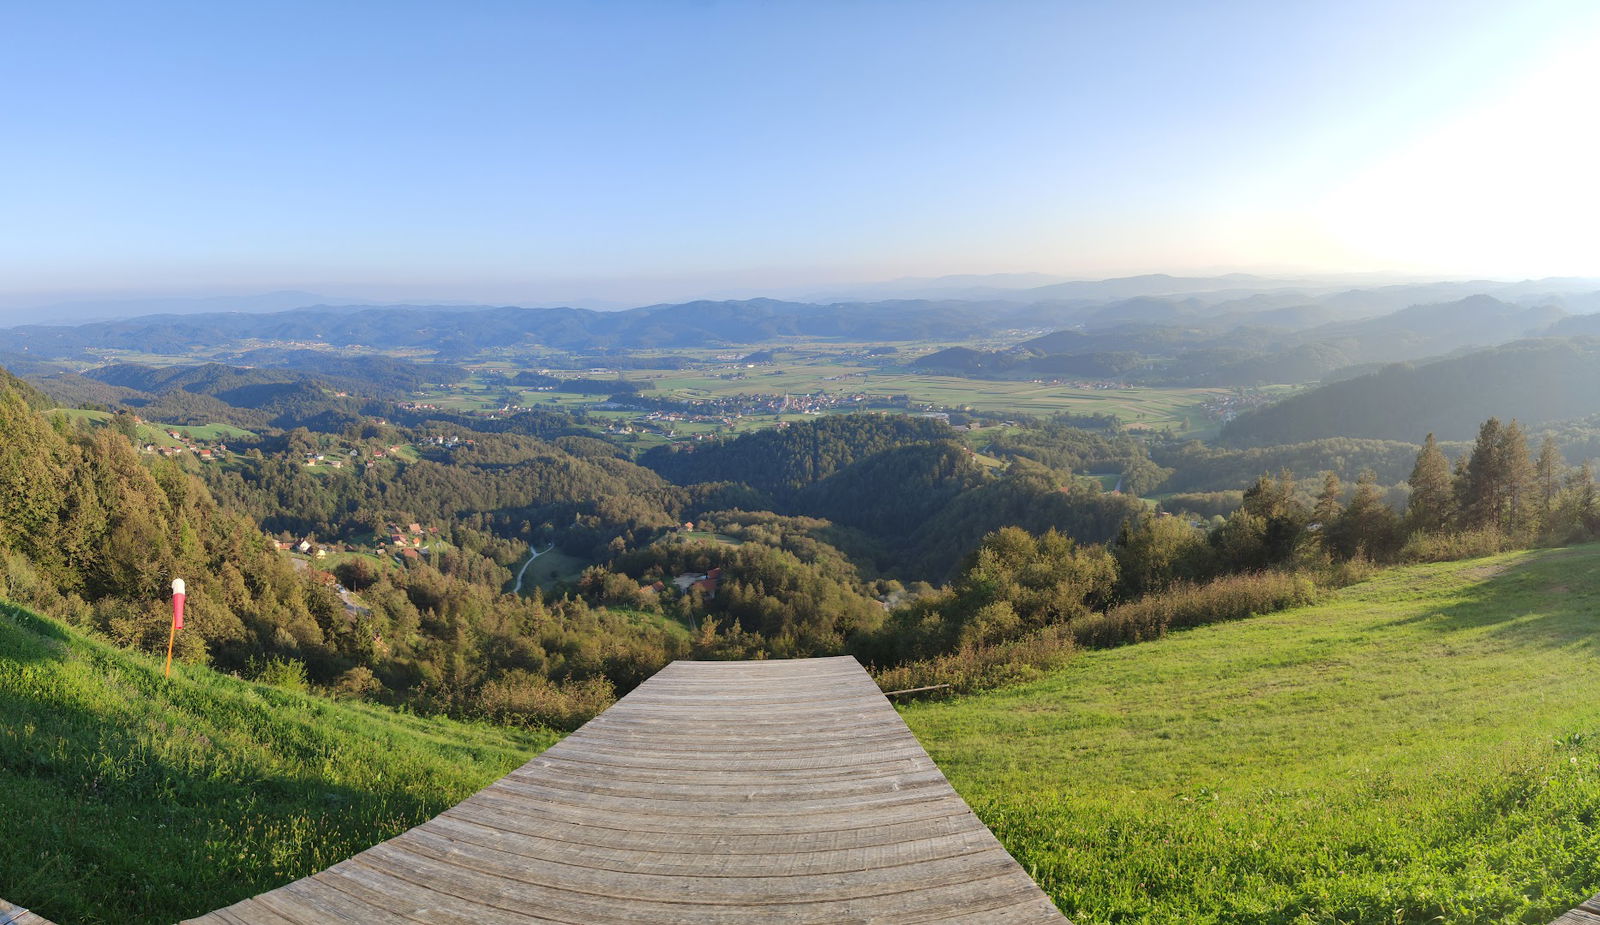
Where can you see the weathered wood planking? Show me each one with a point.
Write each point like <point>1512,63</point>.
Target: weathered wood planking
<point>717,792</point>
<point>1587,913</point>
<point>16,915</point>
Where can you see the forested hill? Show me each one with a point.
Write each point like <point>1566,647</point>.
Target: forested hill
<point>1534,381</point>
<point>903,484</point>
<point>784,460</point>
<point>378,377</point>
<point>1242,350</point>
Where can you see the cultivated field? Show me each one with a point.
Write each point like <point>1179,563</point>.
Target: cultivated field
<point>1181,410</point>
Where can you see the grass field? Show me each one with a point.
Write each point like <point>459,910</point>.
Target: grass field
<point>551,568</point>
<point>157,433</point>
<point>1424,747</point>
<point>129,798</point>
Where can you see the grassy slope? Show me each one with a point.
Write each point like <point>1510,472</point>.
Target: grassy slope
<point>1423,748</point>
<point>126,797</point>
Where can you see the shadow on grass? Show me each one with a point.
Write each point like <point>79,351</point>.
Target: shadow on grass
<point>27,637</point>
<point>116,807</point>
<point>1547,599</point>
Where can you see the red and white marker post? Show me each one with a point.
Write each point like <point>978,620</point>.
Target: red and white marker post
<point>177,619</point>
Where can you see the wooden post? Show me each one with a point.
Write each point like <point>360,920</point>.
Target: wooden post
<point>172,635</point>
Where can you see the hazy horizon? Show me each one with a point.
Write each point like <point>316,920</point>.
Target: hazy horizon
<point>562,153</point>
<point>93,306</point>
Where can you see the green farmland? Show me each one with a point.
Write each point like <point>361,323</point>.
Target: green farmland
<point>1181,410</point>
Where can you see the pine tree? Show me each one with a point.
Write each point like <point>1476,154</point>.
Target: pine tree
<point>1328,508</point>
<point>1368,525</point>
<point>1580,501</point>
<point>1433,503</point>
<point>1330,501</point>
<point>1547,478</point>
<point>1517,510</point>
<point>1481,488</point>
<point>1282,515</point>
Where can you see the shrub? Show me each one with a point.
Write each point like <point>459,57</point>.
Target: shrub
<point>359,682</point>
<point>1347,572</point>
<point>1459,544</point>
<point>287,673</point>
<point>976,668</point>
<point>1187,605</point>
<point>522,698</point>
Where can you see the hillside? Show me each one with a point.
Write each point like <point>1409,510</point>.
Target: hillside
<point>133,798</point>
<point>1535,381</point>
<point>1420,748</point>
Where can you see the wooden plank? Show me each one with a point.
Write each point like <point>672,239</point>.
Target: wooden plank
<point>11,914</point>
<point>716,793</point>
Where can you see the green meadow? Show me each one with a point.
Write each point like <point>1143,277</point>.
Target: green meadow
<point>157,433</point>
<point>127,797</point>
<point>1422,747</point>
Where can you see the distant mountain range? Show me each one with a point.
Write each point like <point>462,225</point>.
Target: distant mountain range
<point>1163,342</point>
<point>78,312</point>
<point>1221,331</point>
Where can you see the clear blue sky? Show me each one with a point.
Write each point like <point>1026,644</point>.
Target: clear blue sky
<point>522,151</point>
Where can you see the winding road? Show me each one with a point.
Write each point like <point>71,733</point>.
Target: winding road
<point>536,553</point>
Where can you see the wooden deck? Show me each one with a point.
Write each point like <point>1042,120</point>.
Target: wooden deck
<point>16,915</point>
<point>717,792</point>
<point>1587,913</point>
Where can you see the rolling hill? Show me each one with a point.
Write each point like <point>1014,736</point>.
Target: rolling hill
<point>1535,381</point>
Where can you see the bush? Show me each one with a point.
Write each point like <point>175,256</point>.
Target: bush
<point>1347,572</point>
<point>357,683</point>
<point>1187,605</point>
<point>287,673</point>
<point>1459,544</point>
<point>976,668</point>
<point>522,698</point>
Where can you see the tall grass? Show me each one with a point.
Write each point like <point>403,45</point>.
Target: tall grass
<point>975,668</point>
<point>1187,605</point>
